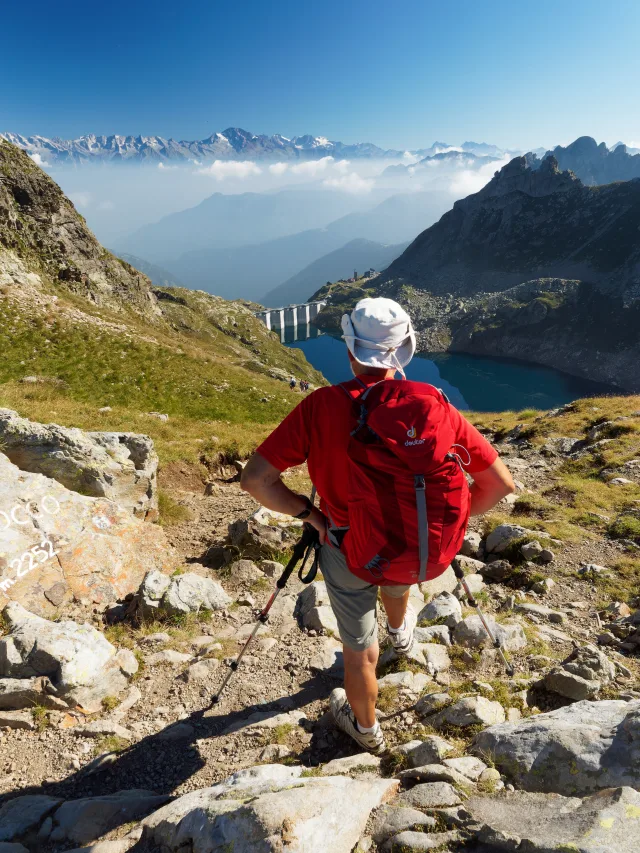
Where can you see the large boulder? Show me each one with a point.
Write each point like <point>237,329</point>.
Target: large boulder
<point>119,466</point>
<point>81,664</point>
<point>582,674</point>
<point>57,545</point>
<point>541,823</point>
<point>180,594</point>
<point>573,751</point>
<point>268,809</point>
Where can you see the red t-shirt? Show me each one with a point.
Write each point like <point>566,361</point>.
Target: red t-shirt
<point>317,432</point>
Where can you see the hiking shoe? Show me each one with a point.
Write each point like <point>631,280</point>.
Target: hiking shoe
<point>402,641</point>
<point>345,720</point>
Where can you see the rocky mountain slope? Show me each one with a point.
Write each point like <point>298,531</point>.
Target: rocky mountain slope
<point>230,144</point>
<point>478,761</point>
<point>535,265</point>
<point>88,326</point>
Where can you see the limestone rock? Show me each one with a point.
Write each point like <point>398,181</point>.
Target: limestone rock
<point>87,819</point>
<point>446,582</point>
<point>25,813</point>
<point>540,823</point>
<point>503,535</point>
<point>80,662</point>
<point>329,658</point>
<point>541,611</point>
<point>432,750</point>
<point>471,544</point>
<point>419,842</point>
<point>190,593</point>
<point>364,762</point>
<point>430,703</point>
<point>444,608</point>
<point>267,809</point>
<point>187,593</point>
<point>121,467</point>
<point>434,634</point>
<point>246,571</point>
<point>497,570</point>
<point>582,674</point>
<point>436,657</point>
<point>256,541</point>
<point>69,545</point>
<point>468,765</point>
<point>430,795</point>
<point>531,550</point>
<point>470,711</point>
<point>18,693</point>
<point>474,583</point>
<point>470,632</point>
<point>315,610</point>
<point>266,720</point>
<point>390,820</point>
<point>573,751</point>
<point>17,720</point>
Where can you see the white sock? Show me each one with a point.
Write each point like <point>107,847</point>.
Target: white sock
<point>365,731</point>
<point>401,628</point>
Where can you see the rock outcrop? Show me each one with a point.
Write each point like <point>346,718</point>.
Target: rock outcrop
<point>535,266</point>
<point>37,218</point>
<point>80,663</point>
<point>572,751</point>
<point>57,545</point>
<point>268,809</point>
<point>119,466</point>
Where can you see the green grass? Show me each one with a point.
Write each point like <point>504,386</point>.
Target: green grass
<point>109,743</point>
<point>171,512</point>
<point>109,703</point>
<point>40,717</point>
<point>278,734</point>
<point>625,527</point>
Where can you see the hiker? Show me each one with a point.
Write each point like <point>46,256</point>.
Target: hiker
<point>292,383</point>
<point>387,518</point>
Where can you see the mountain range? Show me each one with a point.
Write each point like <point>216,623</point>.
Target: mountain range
<point>535,266</point>
<point>234,143</point>
<point>596,164</point>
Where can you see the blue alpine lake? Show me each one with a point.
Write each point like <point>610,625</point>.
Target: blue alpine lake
<point>476,383</point>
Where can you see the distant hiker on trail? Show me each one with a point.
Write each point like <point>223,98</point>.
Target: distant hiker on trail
<point>292,383</point>
<point>388,458</point>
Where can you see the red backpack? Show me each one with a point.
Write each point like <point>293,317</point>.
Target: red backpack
<point>408,497</point>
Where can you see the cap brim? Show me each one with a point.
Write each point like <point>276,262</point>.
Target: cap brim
<point>375,358</point>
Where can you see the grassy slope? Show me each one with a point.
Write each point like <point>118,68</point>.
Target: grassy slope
<point>205,363</point>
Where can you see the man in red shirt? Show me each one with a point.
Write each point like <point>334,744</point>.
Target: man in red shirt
<point>380,342</point>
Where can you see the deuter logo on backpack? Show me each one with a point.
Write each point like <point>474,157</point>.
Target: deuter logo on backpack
<point>412,434</point>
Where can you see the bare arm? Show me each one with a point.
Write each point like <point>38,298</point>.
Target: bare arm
<point>490,486</point>
<point>262,481</point>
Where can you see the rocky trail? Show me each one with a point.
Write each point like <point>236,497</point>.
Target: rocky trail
<point>108,736</point>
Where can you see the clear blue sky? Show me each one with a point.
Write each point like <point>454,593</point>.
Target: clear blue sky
<point>400,73</point>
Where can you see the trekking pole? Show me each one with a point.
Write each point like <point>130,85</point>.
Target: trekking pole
<point>302,549</point>
<point>455,565</point>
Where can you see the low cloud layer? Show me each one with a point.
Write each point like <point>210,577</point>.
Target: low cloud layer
<point>222,169</point>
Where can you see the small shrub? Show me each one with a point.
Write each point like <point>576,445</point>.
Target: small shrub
<point>40,717</point>
<point>279,734</point>
<point>110,702</point>
<point>625,527</point>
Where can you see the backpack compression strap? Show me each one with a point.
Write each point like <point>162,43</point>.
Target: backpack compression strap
<point>423,526</point>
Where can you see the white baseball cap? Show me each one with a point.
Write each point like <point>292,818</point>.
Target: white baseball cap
<point>378,333</point>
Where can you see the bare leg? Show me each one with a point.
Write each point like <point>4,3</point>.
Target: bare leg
<point>395,608</point>
<point>360,683</point>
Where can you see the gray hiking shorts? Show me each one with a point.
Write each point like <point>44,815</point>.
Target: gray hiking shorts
<point>353,601</point>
